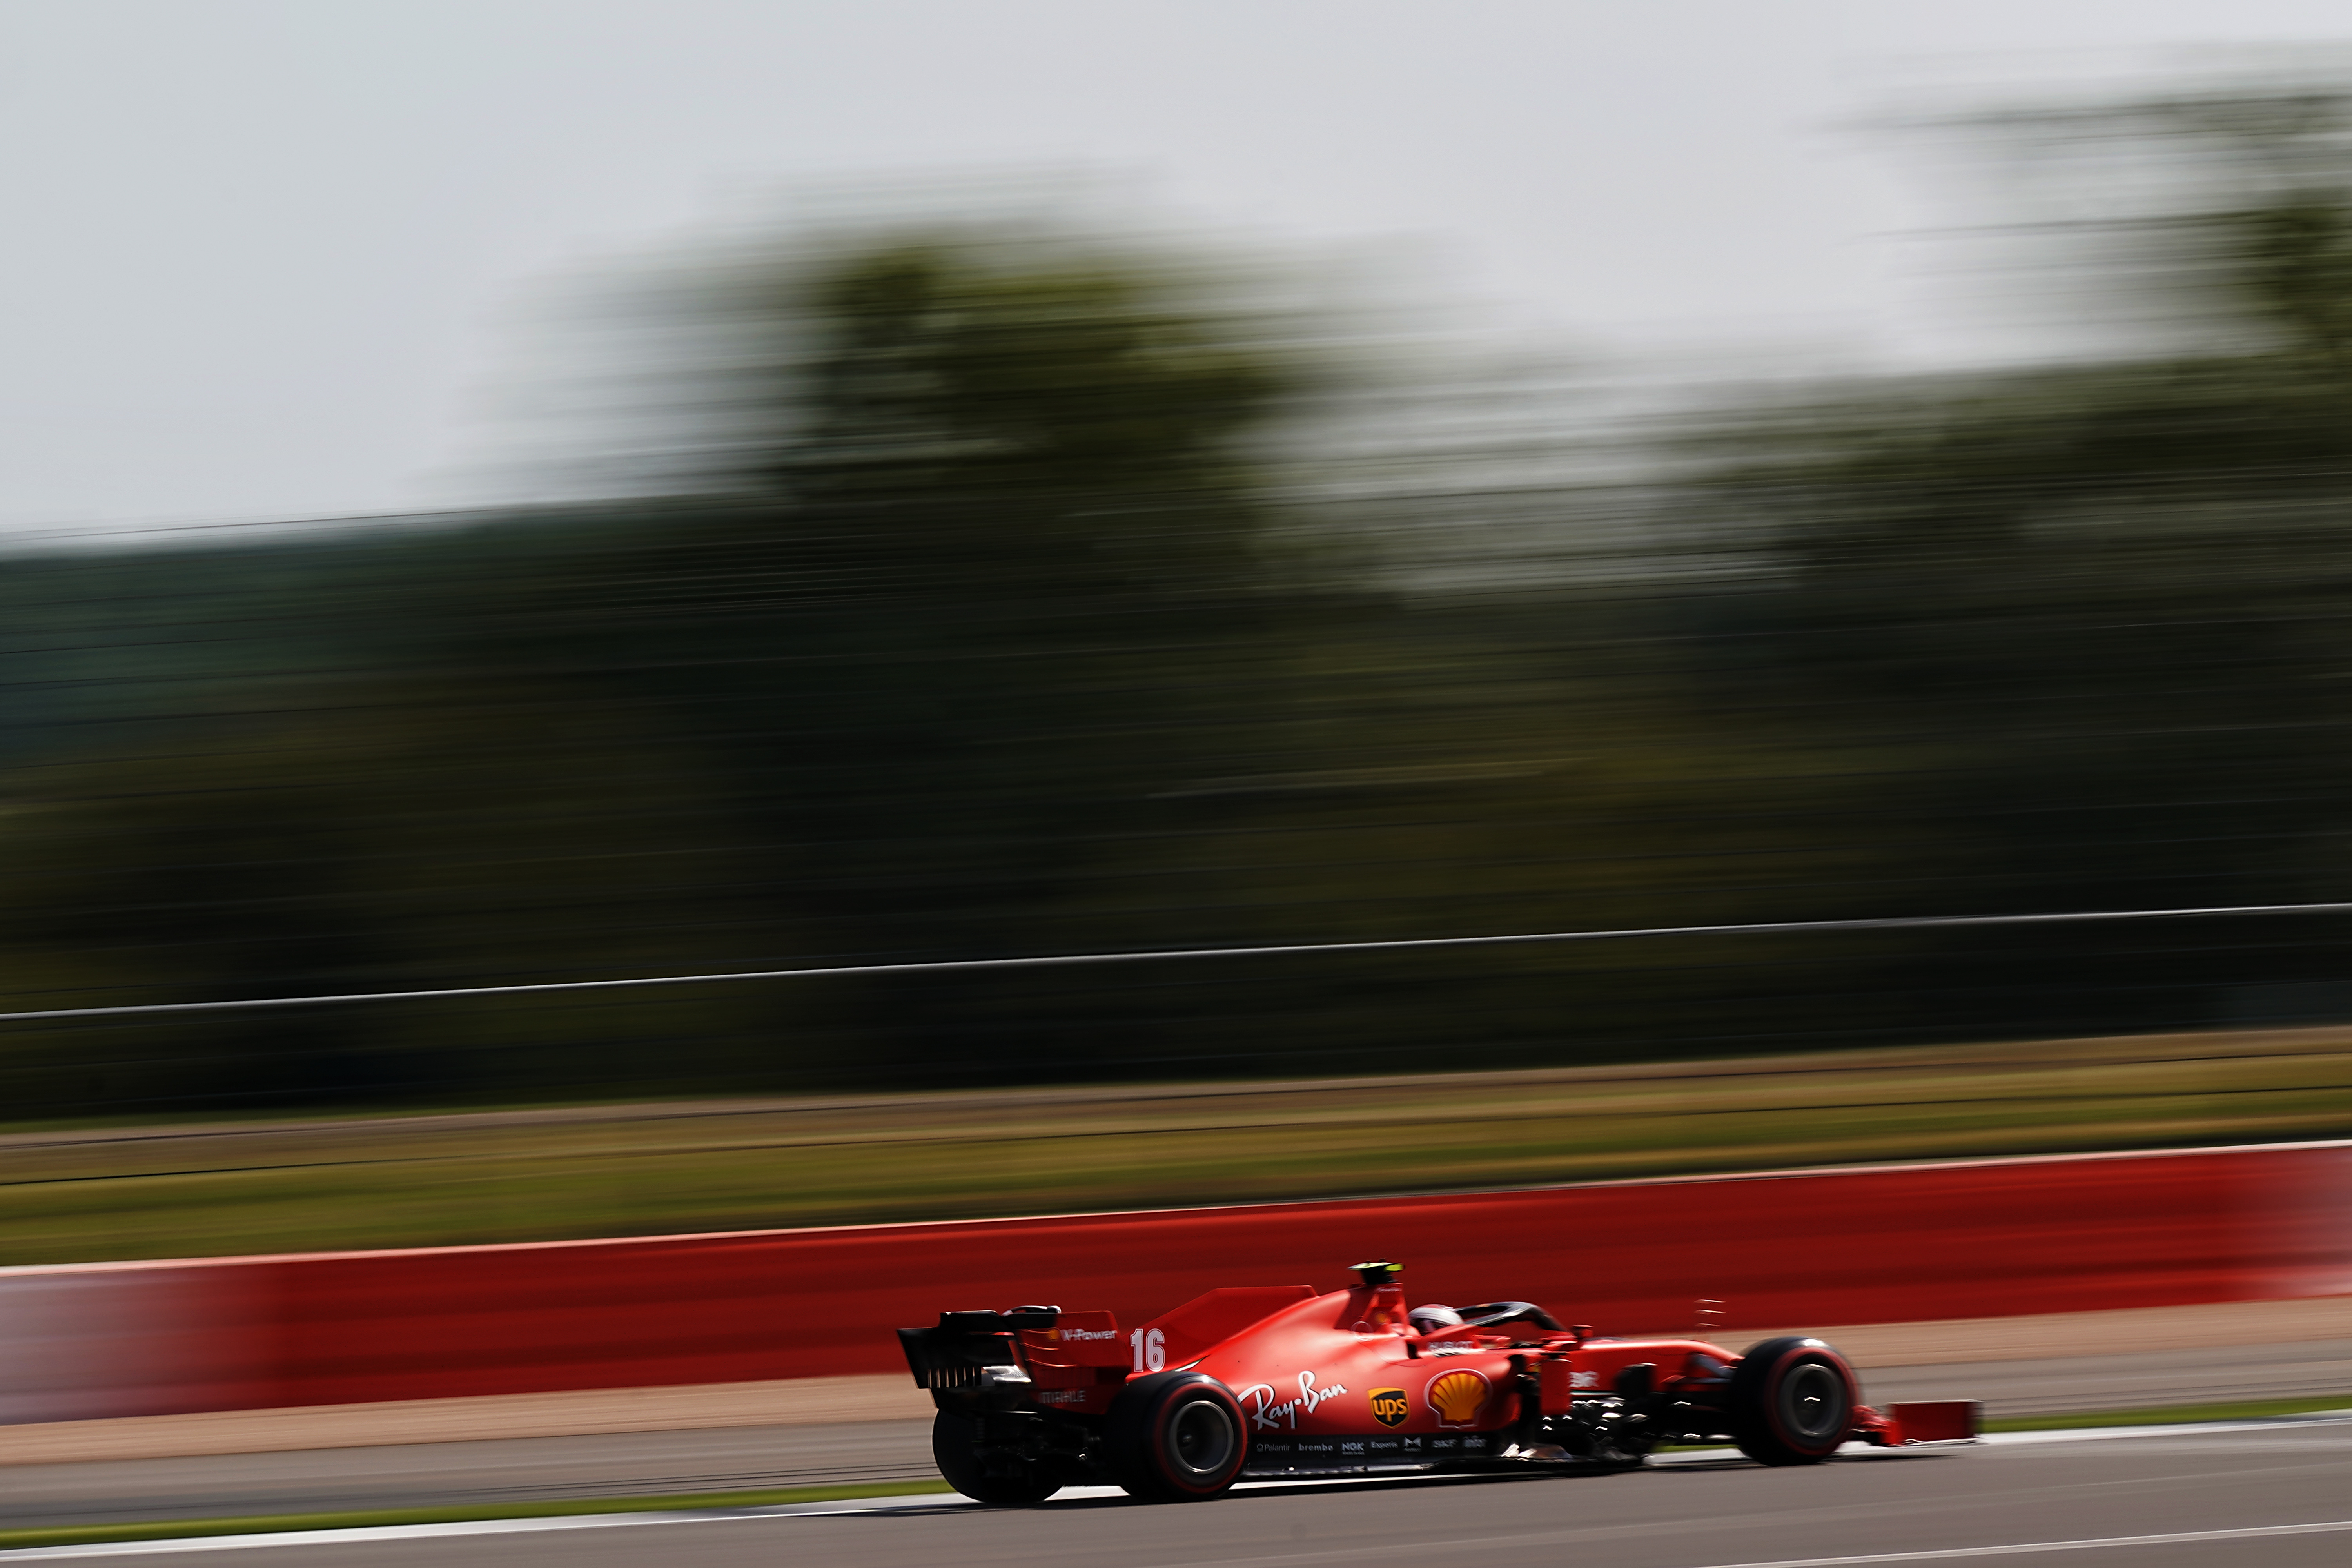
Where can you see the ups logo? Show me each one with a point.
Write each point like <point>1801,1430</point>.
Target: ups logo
<point>1389,1408</point>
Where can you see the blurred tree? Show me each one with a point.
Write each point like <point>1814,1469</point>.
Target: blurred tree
<point>2103,603</point>
<point>977,576</point>
<point>1003,437</point>
<point>399,837</point>
<point>965,638</point>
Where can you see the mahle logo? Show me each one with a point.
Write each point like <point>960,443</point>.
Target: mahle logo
<point>1389,1408</point>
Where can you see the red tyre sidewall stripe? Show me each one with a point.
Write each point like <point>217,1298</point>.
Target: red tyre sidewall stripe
<point>1772,1404</point>
<point>1169,1471</point>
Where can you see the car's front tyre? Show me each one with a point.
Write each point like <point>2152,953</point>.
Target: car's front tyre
<point>999,1480</point>
<point>1791,1401</point>
<point>1175,1436</point>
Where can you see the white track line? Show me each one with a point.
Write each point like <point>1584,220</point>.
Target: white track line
<point>920,1501</point>
<point>2177,1429</point>
<point>2065,1435</point>
<point>2026,1548</point>
<point>363,1533</point>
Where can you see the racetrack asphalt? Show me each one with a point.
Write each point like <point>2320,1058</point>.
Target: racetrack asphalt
<point>2268,1495</point>
<point>751,1458</point>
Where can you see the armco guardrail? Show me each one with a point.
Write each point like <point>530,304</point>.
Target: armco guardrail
<point>1979,1239</point>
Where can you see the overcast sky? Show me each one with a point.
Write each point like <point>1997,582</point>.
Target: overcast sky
<point>276,260</point>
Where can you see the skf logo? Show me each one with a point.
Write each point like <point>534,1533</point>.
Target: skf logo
<point>1457,1397</point>
<point>1389,1408</point>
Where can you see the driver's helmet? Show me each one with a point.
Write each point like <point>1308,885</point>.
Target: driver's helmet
<point>1430,1319</point>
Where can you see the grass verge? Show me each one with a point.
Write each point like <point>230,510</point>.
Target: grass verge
<point>2247,1410</point>
<point>92,1194</point>
<point>551,1507</point>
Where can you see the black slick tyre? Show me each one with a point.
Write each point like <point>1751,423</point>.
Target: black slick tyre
<point>1175,1436</point>
<point>1791,1401</point>
<point>1000,1481</point>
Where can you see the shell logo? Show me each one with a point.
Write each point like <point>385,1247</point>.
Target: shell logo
<point>1457,1397</point>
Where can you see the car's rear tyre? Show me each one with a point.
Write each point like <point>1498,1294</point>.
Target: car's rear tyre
<point>997,1479</point>
<point>1791,1401</point>
<point>1175,1436</point>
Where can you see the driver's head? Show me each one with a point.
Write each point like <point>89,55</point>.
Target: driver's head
<point>1430,1319</point>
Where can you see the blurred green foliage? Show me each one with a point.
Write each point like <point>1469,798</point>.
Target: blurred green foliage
<point>983,628</point>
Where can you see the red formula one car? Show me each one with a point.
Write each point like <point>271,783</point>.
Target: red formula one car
<point>1272,1381</point>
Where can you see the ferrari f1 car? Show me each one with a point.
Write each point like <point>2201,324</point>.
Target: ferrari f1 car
<point>1275,1381</point>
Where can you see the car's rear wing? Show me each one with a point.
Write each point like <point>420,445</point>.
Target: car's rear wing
<point>951,1355</point>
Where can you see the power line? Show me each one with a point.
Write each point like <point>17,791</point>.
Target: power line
<point>1165,956</point>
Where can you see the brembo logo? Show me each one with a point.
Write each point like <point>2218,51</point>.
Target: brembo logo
<point>1267,1416</point>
